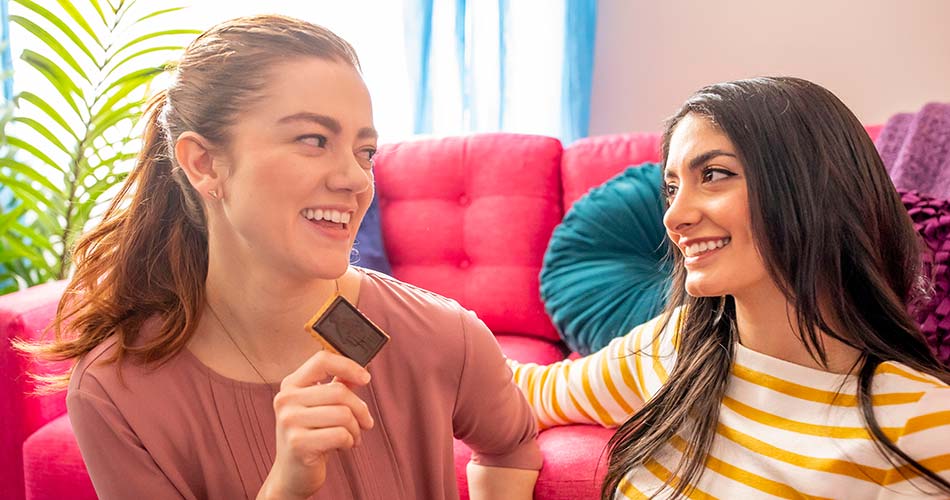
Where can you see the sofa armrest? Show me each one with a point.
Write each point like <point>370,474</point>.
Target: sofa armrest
<point>24,315</point>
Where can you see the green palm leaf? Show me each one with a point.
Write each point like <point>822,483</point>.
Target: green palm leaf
<point>35,238</point>
<point>70,9</point>
<point>48,110</point>
<point>149,36</point>
<point>32,196</point>
<point>136,55</point>
<point>32,254</point>
<point>95,192</point>
<point>112,160</point>
<point>128,112</point>
<point>56,76</point>
<point>56,21</point>
<point>8,219</point>
<point>122,9</point>
<point>45,132</point>
<point>59,179</point>
<point>123,87</point>
<point>140,76</point>
<point>52,43</point>
<point>30,173</point>
<point>158,13</point>
<point>102,16</point>
<point>35,151</point>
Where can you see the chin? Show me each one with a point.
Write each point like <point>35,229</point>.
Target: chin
<point>327,269</point>
<point>700,289</point>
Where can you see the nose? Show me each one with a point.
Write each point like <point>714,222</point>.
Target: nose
<point>350,175</point>
<point>682,213</point>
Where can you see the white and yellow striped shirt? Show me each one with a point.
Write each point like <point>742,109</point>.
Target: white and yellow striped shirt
<point>785,431</point>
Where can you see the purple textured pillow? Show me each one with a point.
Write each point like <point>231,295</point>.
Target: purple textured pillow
<point>931,218</point>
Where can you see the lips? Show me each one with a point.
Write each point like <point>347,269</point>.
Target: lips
<point>329,215</point>
<point>328,228</point>
<point>700,248</point>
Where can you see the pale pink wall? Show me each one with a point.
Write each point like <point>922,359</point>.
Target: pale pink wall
<point>879,56</point>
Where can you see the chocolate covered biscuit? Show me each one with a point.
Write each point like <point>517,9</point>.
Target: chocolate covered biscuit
<point>343,329</point>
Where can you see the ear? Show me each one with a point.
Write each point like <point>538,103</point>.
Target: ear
<point>196,158</point>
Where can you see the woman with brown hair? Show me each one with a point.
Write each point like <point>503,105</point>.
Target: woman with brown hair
<point>196,377</point>
<point>787,364</point>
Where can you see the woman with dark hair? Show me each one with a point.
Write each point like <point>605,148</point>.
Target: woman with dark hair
<point>786,363</point>
<point>195,375</point>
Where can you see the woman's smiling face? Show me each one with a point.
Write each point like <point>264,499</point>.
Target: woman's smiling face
<point>708,218</point>
<point>299,165</point>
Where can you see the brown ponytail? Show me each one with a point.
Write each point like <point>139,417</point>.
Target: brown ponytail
<point>149,256</point>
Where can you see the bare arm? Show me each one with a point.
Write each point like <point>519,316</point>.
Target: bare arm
<point>496,483</point>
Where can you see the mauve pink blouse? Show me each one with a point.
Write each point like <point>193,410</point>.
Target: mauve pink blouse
<point>181,430</point>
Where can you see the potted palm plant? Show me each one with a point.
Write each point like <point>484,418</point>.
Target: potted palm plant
<point>71,136</point>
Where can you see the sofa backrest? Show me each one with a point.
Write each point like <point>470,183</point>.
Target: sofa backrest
<point>470,218</point>
<point>589,162</point>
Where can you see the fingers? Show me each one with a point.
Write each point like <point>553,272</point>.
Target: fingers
<point>324,365</point>
<point>293,400</point>
<point>325,417</point>
<point>309,444</point>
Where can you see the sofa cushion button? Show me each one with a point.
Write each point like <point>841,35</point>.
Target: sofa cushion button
<point>465,263</point>
<point>464,200</point>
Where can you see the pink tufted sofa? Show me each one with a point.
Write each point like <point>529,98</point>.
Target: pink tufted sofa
<point>467,217</point>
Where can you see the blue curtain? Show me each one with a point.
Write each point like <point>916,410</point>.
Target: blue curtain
<point>418,22</point>
<point>534,66</point>
<point>6,68</point>
<point>6,61</point>
<point>580,21</point>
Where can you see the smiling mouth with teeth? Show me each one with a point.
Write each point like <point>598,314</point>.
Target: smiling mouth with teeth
<point>317,215</point>
<point>697,249</point>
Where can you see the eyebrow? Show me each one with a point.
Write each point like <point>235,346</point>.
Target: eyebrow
<point>700,160</point>
<point>329,122</point>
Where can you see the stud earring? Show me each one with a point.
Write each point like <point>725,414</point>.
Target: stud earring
<point>213,193</point>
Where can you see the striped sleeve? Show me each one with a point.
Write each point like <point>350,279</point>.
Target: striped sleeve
<point>925,438</point>
<point>603,388</point>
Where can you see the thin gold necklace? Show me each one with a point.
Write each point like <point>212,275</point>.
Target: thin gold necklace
<point>238,347</point>
<point>346,473</point>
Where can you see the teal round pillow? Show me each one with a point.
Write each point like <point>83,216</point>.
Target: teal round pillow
<point>605,270</point>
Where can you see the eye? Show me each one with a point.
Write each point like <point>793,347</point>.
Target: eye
<point>712,174</point>
<point>366,156</point>
<point>316,140</point>
<point>669,190</point>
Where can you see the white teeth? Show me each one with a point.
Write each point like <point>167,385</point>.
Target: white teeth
<point>327,215</point>
<point>705,246</point>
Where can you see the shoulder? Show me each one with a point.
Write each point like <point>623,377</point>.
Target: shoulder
<point>923,402</point>
<point>94,367</point>
<point>409,302</point>
<point>100,372</point>
<point>893,377</point>
<point>415,318</point>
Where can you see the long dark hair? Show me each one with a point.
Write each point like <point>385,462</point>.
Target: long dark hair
<point>149,255</point>
<point>845,247</point>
